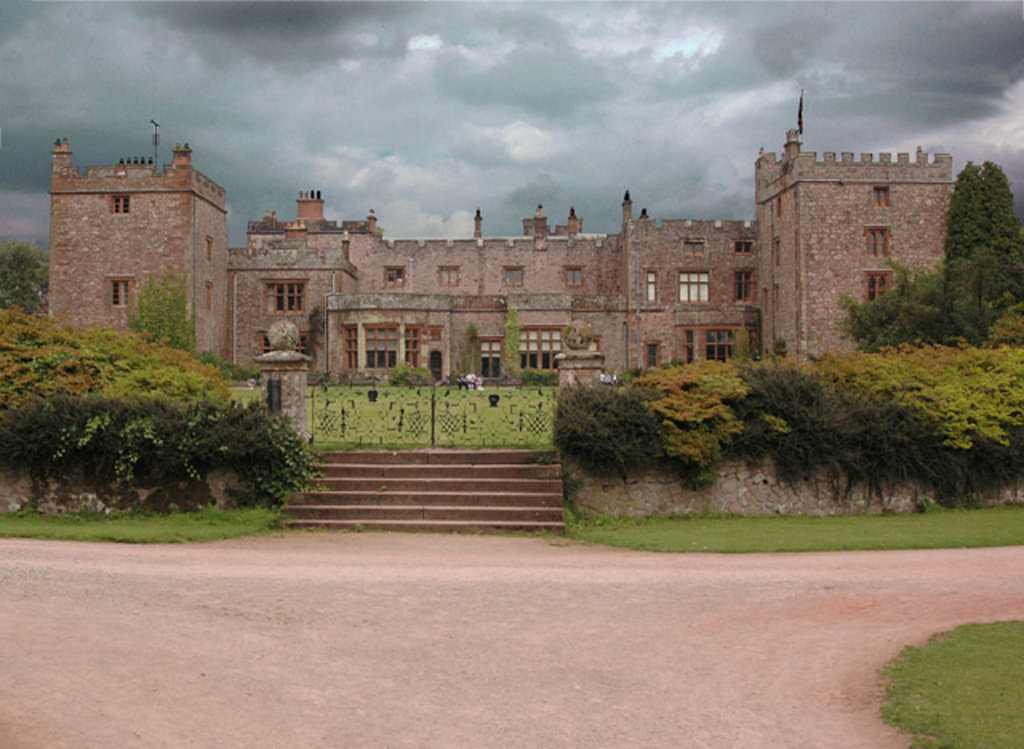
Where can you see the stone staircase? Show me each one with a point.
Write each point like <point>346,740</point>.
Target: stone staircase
<point>437,490</point>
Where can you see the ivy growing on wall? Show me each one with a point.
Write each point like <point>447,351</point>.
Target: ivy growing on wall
<point>513,334</point>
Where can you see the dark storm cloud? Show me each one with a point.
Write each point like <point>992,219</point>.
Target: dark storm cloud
<point>291,34</point>
<point>430,109</point>
<point>930,64</point>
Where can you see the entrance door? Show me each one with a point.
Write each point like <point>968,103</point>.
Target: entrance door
<point>435,364</point>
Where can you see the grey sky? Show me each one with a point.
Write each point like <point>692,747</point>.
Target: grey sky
<point>427,111</point>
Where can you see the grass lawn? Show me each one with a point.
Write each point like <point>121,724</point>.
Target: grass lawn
<point>245,396</point>
<point>942,529</point>
<point>965,688</point>
<point>344,417</point>
<point>209,524</point>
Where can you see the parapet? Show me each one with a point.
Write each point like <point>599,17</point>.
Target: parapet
<point>132,173</point>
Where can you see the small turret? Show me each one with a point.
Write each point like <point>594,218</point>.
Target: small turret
<point>792,145</point>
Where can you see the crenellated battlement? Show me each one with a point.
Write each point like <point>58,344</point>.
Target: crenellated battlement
<point>795,165</point>
<point>921,158</point>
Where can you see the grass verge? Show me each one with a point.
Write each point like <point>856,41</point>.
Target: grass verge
<point>208,524</point>
<point>942,529</point>
<point>964,688</point>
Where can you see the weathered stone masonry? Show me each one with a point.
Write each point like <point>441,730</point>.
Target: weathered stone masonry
<point>656,291</point>
<point>113,228</point>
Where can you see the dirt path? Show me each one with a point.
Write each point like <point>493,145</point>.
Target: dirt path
<point>380,640</point>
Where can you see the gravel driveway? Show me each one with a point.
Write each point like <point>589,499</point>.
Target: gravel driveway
<point>391,640</point>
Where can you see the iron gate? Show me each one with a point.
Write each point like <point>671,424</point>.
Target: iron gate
<point>360,416</point>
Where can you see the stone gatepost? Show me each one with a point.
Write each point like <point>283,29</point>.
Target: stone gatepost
<point>578,365</point>
<point>284,376</point>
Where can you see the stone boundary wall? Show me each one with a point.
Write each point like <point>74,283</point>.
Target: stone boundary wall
<point>75,494</point>
<point>744,489</point>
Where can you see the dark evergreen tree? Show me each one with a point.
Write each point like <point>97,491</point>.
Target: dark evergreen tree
<point>983,251</point>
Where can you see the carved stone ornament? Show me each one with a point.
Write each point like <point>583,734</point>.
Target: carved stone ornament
<point>578,336</point>
<point>283,336</point>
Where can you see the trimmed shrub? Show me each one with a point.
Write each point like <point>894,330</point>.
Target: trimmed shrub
<point>405,376</point>
<point>128,441</point>
<point>608,431</point>
<point>970,393</point>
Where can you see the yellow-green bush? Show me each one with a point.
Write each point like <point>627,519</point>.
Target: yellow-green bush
<point>692,404</point>
<point>970,393</point>
<point>39,357</point>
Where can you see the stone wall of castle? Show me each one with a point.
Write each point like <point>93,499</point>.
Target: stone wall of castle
<point>113,228</point>
<point>307,273</point>
<point>832,227</point>
<point>690,280</point>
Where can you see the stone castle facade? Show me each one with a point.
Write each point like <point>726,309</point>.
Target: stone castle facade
<point>656,291</point>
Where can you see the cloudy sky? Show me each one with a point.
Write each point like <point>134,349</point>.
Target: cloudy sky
<point>427,111</point>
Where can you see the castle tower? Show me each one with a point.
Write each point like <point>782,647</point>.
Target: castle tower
<point>115,227</point>
<point>829,228</point>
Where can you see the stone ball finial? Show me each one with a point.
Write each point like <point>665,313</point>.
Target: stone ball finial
<point>578,336</point>
<point>283,336</point>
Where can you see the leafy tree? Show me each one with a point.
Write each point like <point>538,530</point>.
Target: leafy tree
<point>913,311</point>
<point>162,310</point>
<point>24,271</point>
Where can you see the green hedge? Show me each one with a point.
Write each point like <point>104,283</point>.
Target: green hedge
<point>608,431</point>
<point>950,420</point>
<point>128,441</point>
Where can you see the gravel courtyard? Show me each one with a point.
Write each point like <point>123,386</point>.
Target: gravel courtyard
<point>391,640</point>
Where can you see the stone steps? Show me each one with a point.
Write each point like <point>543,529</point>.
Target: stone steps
<point>433,490</point>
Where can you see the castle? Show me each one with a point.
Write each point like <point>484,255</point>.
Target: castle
<point>364,303</point>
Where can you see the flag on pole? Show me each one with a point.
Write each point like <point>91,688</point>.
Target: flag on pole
<point>800,114</point>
